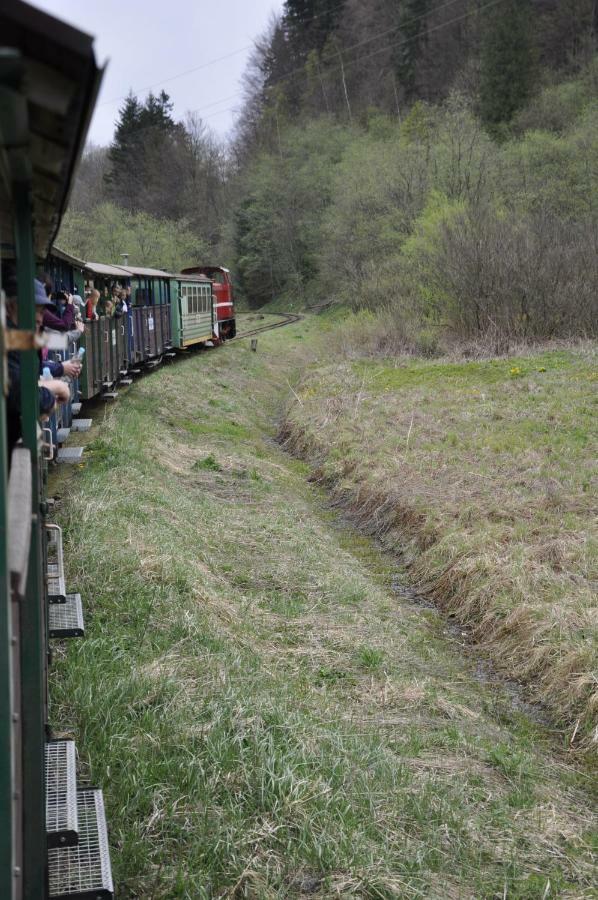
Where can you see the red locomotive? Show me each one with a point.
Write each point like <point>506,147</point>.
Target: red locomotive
<point>222,287</point>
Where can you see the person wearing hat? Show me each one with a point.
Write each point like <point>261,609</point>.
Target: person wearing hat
<point>53,390</point>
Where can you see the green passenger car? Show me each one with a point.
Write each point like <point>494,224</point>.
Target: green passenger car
<point>192,310</point>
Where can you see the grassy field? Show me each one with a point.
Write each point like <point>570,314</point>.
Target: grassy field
<point>270,712</point>
<point>482,475</point>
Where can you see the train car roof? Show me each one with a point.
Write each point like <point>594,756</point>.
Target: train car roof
<point>150,273</point>
<point>57,253</point>
<point>104,269</point>
<point>127,271</point>
<point>51,81</point>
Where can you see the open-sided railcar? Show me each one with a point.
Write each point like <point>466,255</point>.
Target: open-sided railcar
<point>151,310</point>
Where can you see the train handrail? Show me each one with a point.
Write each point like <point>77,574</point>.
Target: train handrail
<point>59,551</point>
<point>48,445</point>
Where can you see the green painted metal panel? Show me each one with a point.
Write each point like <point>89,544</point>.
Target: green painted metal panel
<point>32,619</point>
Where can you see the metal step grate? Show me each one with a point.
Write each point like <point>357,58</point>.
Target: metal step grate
<point>76,408</point>
<point>61,794</point>
<point>66,619</point>
<point>56,586</point>
<point>81,424</point>
<point>83,872</point>
<point>62,434</point>
<point>69,454</point>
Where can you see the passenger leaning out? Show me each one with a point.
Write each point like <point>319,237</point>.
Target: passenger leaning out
<point>121,307</point>
<point>91,305</point>
<point>52,390</point>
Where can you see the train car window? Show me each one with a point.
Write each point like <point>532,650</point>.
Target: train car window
<point>218,277</point>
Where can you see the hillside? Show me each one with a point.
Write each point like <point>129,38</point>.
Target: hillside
<point>436,162</point>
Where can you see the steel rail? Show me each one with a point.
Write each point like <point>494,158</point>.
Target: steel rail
<point>289,318</point>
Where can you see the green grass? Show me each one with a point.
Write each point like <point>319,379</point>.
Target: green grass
<point>267,717</point>
<point>481,475</point>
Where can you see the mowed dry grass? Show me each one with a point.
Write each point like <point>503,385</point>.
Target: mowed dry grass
<point>482,476</point>
<point>267,718</point>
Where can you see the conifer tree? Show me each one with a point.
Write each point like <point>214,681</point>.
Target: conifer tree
<point>506,62</point>
<point>309,23</point>
<point>121,177</point>
<point>413,16</point>
<point>141,141</point>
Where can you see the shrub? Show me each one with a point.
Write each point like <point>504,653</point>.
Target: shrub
<point>516,277</point>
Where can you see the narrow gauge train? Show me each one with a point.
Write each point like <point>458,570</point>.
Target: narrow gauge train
<point>167,313</point>
<point>53,832</point>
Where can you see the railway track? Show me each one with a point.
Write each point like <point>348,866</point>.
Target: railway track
<point>289,318</point>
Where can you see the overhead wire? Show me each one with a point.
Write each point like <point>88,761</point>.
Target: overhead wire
<point>206,64</point>
<point>351,62</point>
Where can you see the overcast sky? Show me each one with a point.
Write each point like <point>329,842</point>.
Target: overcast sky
<point>150,44</point>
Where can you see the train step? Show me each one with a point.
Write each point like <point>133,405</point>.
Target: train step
<point>170,354</point>
<point>123,372</point>
<point>81,424</point>
<point>83,872</point>
<point>62,826</point>
<point>135,371</point>
<point>65,620</point>
<point>76,408</point>
<point>152,363</point>
<point>62,434</point>
<point>126,381</point>
<point>110,395</point>
<point>69,454</point>
<point>56,588</point>
<point>55,567</point>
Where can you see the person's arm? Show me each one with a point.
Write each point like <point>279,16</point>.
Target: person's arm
<point>51,320</point>
<point>58,390</point>
<point>68,317</point>
<point>55,366</point>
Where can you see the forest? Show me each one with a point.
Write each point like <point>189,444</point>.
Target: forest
<point>431,161</point>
